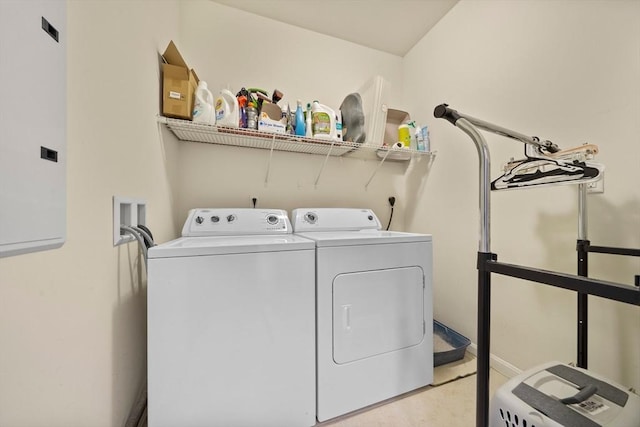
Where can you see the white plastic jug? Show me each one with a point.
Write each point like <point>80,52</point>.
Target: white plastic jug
<point>203,105</point>
<point>323,121</point>
<point>227,109</point>
<point>338,135</point>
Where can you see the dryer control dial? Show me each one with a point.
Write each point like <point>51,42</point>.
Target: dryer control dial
<point>231,218</point>
<point>311,217</point>
<point>215,219</point>
<point>272,219</point>
<point>199,220</point>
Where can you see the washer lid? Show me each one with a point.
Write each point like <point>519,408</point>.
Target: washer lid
<point>222,245</point>
<point>363,237</point>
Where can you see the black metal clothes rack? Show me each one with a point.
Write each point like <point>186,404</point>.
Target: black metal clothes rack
<point>487,262</point>
<point>583,248</point>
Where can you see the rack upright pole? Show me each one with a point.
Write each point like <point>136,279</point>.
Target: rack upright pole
<point>484,276</point>
<point>583,270</point>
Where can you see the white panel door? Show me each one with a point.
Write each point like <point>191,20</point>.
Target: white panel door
<point>375,312</point>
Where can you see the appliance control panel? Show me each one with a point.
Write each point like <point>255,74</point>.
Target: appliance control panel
<point>334,219</point>
<point>240,221</point>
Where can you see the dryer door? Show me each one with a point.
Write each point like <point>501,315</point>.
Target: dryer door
<point>376,312</point>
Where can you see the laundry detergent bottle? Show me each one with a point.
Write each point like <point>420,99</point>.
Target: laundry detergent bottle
<point>300,123</point>
<point>227,109</point>
<point>203,105</point>
<point>307,121</point>
<point>323,121</point>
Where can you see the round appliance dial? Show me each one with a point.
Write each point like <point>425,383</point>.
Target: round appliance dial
<point>272,219</point>
<point>231,218</point>
<point>310,217</point>
<point>199,220</point>
<point>370,217</point>
<point>215,219</point>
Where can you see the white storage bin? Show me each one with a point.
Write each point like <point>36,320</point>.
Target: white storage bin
<point>559,395</point>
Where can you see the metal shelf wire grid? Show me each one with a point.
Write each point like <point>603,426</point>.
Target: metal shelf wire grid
<point>188,131</point>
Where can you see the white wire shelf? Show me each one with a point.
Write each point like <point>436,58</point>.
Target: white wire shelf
<point>186,130</point>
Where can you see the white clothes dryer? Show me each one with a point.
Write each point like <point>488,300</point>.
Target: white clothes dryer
<point>231,323</point>
<point>374,310</point>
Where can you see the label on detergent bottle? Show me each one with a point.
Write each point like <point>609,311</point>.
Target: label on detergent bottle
<point>199,109</point>
<point>321,123</point>
<point>219,109</point>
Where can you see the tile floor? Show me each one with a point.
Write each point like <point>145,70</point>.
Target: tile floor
<point>448,405</point>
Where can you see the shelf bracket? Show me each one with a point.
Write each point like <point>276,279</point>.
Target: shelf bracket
<point>324,164</point>
<point>273,142</point>
<point>366,186</point>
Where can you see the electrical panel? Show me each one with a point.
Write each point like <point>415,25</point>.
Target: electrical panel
<point>33,116</point>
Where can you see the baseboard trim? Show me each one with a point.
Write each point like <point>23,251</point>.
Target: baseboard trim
<point>500,365</point>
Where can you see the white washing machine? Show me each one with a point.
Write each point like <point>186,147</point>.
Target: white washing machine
<point>373,309</point>
<point>231,323</point>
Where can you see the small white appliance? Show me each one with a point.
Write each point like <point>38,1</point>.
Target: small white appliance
<point>231,323</point>
<point>558,395</point>
<point>373,308</point>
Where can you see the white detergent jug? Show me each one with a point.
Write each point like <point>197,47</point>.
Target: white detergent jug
<point>323,121</point>
<point>227,109</point>
<point>338,135</point>
<point>203,105</point>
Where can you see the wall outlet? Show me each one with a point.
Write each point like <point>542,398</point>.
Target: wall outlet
<point>127,211</point>
<point>596,187</point>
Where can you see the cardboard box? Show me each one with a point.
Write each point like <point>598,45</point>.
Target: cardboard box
<point>179,85</point>
<point>271,111</point>
<point>394,119</point>
<point>266,124</point>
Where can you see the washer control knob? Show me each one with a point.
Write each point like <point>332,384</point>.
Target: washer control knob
<point>370,217</point>
<point>272,220</point>
<point>215,219</point>
<point>199,220</point>
<point>310,217</point>
<point>231,218</point>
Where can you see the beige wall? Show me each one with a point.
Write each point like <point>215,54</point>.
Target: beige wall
<point>72,320</point>
<point>231,48</point>
<point>562,70</point>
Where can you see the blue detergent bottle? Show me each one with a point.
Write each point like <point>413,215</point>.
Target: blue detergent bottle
<point>300,125</point>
